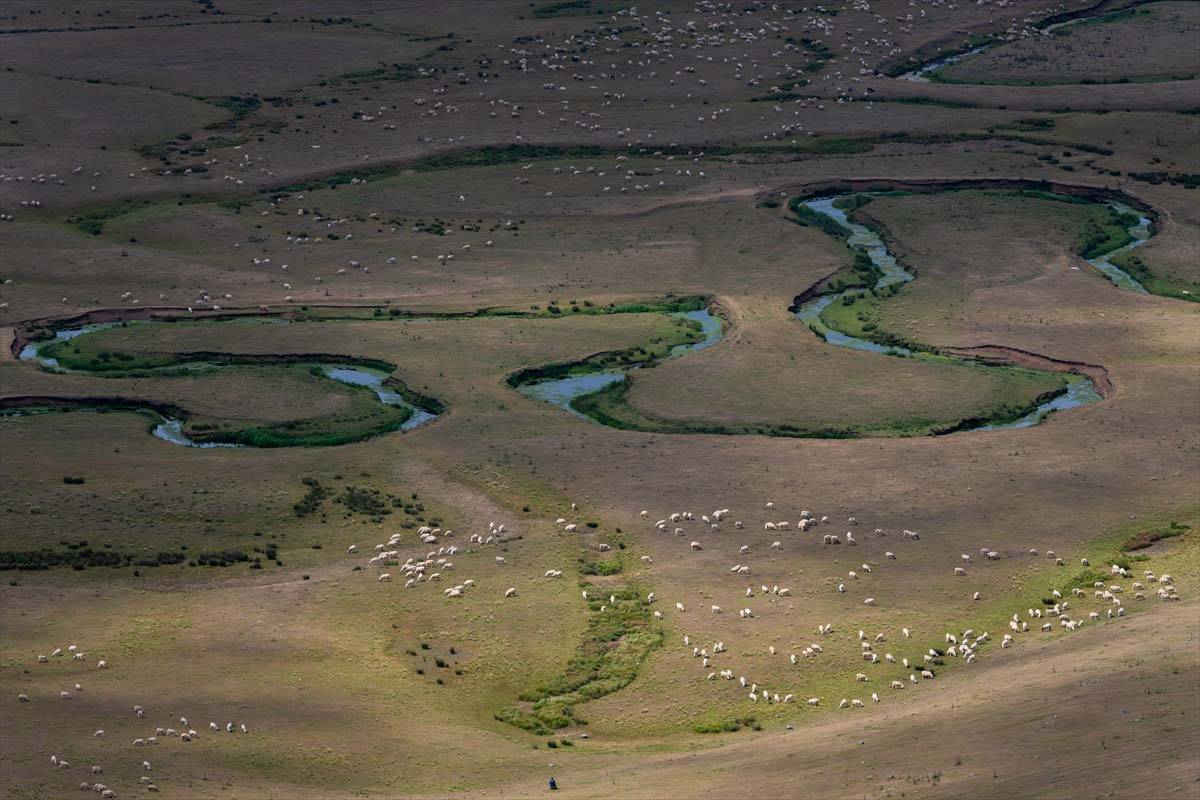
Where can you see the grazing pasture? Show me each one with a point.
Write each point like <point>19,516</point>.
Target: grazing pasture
<point>300,494</point>
<point>1146,42</point>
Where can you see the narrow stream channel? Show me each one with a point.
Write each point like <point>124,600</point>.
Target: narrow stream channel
<point>921,73</point>
<point>561,391</point>
<point>1080,389</point>
<point>171,430</point>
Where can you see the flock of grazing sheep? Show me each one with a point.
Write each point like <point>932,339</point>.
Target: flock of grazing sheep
<point>717,45</point>
<point>964,645</point>
<point>161,734</point>
<point>714,44</point>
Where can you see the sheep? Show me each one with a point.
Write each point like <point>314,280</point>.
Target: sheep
<point>813,701</point>
<point>696,546</point>
<point>510,592</point>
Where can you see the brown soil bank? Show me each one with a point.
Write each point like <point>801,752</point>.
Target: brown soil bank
<point>110,403</point>
<point>999,354</point>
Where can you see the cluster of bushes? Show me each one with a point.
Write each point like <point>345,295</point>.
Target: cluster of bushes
<point>161,560</point>
<point>364,501</point>
<point>312,499</point>
<point>1102,237</point>
<point>1189,180</point>
<point>612,566</point>
<point>80,557</point>
<point>45,559</point>
<point>815,219</point>
<point>411,506</point>
<point>219,558</point>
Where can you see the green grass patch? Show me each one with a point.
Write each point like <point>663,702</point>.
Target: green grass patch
<point>615,644</point>
<point>612,566</point>
<point>728,725</point>
<point>369,420</point>
<point>92,220</point>
<point>809,218</point>
<point>1156,282</point>
<point>1104,231</point>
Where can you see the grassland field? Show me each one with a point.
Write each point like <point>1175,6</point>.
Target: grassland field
<point>463,196</point>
